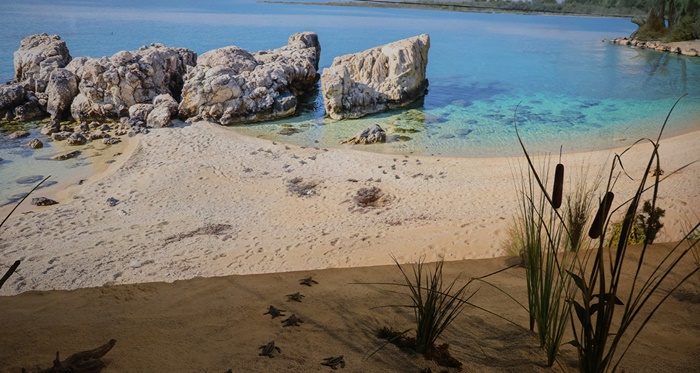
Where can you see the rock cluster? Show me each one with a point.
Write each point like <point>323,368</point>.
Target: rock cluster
<point>110,86</point>
<point>38,56</point>
<point>656,45</point>
<point>377,79</point>
<point>230,85</point>
<point>149,87</point>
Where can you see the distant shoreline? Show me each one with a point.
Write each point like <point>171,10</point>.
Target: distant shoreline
<point>444,6</point>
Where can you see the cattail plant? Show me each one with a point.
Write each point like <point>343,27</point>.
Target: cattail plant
<point>558,191</point>
<point>546,261</point>
<point>601,216</point>
<point>601,315</point>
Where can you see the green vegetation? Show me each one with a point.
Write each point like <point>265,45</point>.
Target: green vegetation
<point>435,305</point>
<point>670,20</point>
<point>665,20</point>
<point>541,233</point>
<point>650,221</point>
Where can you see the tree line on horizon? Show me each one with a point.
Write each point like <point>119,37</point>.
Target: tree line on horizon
<point>665,20</point>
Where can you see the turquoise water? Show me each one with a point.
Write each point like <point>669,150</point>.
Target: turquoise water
<point>573,89</point>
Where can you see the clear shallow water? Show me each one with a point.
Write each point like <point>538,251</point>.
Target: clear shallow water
<point>573,89</point>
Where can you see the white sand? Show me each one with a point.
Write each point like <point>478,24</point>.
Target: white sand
<point>179,180</point>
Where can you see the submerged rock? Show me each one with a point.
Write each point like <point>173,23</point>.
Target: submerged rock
<point>35,144</point>
<point>377,79</point>
<point>369,135</point>
<point>230,85</point>
<point>64,156</point>
<point>18,134</point>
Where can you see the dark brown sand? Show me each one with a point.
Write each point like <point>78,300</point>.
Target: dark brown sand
<point>216,324</point>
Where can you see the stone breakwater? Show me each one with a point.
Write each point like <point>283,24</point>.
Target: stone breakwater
<point>149,87</point>
<point>685,49</point>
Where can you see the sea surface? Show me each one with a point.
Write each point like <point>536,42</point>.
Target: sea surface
<point>571,90</point>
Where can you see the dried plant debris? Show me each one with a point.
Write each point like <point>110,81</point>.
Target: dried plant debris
<point>82,362</point>
<point>43,201</point>
<point>334,362</point>
<point>207,230</point>
<point>308,281</point>
<point>292,321</point>
<point>297,297</point>
<point>268,349</point>
<point>274,312</point>
<point>301,188</point>
<point>371,197</point>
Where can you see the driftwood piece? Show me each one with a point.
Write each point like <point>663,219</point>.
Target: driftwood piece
<point>9,273</point>
<point>82,362</point>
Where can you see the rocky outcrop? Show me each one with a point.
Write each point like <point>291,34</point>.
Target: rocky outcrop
<point>37,57</point>
<point>230,85</point>
<point>164,109</point>
<point>369,135</point>
<point>11,95</point>
<point>17,103</point>
<point>377,79</point>
<point>61,89</point>
<point>684,48</point>
<point>110,86</point>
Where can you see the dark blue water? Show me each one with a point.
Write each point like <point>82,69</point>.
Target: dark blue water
<point>573,89</point>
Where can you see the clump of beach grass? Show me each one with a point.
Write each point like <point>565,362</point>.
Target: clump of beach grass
<point>435,304</point>
<point>540,233</point>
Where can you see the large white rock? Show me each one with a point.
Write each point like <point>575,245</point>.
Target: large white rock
<point>110,86</point>
<point>230,85</point>
<point>61,89</point>
<point>39,55</point>
<point>377,79</point>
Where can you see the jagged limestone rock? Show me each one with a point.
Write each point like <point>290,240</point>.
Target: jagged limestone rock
<point>230,85</point>
<point>381,78</point>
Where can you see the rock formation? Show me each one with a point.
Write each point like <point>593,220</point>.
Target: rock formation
<point>110,86</point>
<point>369,135</point>
<point>377,79</point>
<point>230,85</point>
<point>37,57</point>
<point>61,90</point>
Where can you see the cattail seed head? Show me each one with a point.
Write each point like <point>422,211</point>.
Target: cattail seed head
<point>558,186</point>
<point>597,226</point>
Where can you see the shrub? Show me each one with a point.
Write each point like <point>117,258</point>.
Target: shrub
<point>636,235</point>
<point>650,221</point>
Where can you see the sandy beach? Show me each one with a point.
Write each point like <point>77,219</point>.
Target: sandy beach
<point>200,200</point>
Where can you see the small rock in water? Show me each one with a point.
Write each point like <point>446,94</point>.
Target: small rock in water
<point>43,201</point>
<point>369,135</point>
<point>64,156</point>
<point>18,134</point>
<point>29,179</point>
<point>35,144</point>
<point>112,201</point>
